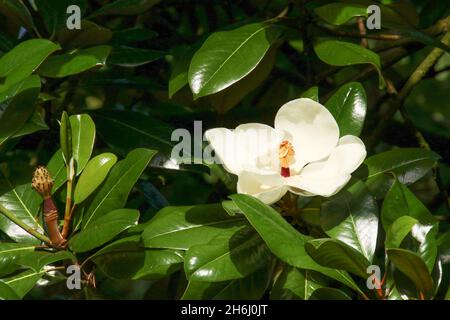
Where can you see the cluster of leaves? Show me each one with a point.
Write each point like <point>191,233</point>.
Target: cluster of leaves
<point>144,227</point>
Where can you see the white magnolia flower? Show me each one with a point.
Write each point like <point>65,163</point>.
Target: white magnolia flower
<point>303,154</point>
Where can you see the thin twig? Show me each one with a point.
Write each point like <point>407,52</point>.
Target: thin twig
<point>362,31</point>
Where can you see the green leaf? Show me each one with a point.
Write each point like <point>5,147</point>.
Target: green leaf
<point>65,137</point>
<point>335,254</point>
<point>228,98</point>
<point>114,192</point>
<point>226,257</point>
<point>228,56</point>
<point>340,53</point>
<point>93,175</point>
<point>251,287</point>
<point>10,253</point>
<point>282,239</point>
<point>329,294</point>
<point>24,202</point>
<point>348,106</point>
<point>340,13</point>
<point>57,169</point>
<point>78,61</point>
<point>125,130</point>
<point>17,104</point>
<point>83,138</point>
<point>411,265</point>
<point>398,230</point>
<point>104,229</point>
<point>19,63</point>
<point>133,57</point>
<point>180,67</point>
<point>399,202</point>
<point>125,7</point>
<point>7,293</point>
<point>23,282</point>
<point>351,216</point>
<point>408,164</point>
<point>312,93</point>
<point>131,35</point>
<point>139,263</point>
<point>295,284</point>
<point>34,124</point>
<point>183,227</point>
<point>89,35</point>
<point>37,260</point>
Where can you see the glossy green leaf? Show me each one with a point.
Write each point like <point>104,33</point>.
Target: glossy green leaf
<point>340,53</point>
<point>351,216</point>
<point>329,294</point>
<point>296,284</point>
<point>83,138</point>
<point>37,260</point>
<point>114,192</point>
<point>226,257</point>
<point>125,130</point>
<point>17,104</point>
<point>340,13</point>
<point>399,202</point>
<point>93,175</point>
<point>411,265</point>
<point>398,230</point>
<point>251,287</point>
<point>183,227</point>
<point>408,164</point>
<point>312,93</point>
<point>75,62</point>
<point>228,56</point>
<point>104,229</point>
<point>282,239</point>
<point>7,293</point>
<point>126,7</point>
<point>23,282</point>
<point>335,254</point>
<point>139,263</point>
<point>348,106</point>
<point>24,202</point>
<point>10,253</point>
<point>180,67</point>
<point>228,98</point>
<point>57,169</point>
<point>133,57</point>
<point>65,137</point>
<point>19,63</point>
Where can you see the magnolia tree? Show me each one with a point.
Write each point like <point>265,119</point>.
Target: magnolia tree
<point>224,149</point>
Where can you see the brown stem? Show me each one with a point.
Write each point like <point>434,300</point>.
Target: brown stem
<point>362,32</point>
<point>51,220</point>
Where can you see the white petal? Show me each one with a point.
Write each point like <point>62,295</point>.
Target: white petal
<point>328,176</point>
<point>269,188</point>
<point>251,147</point>
<point>309,185</point>
<point>313,130</point>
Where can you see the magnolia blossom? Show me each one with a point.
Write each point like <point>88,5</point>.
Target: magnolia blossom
<point>302,154</point>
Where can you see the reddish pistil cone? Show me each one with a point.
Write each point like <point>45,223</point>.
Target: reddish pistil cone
<point>285,172</point>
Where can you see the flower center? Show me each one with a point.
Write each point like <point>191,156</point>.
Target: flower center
<point>286,154</point>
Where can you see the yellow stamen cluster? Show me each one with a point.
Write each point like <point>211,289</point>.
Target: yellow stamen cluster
<point>286,154</point>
